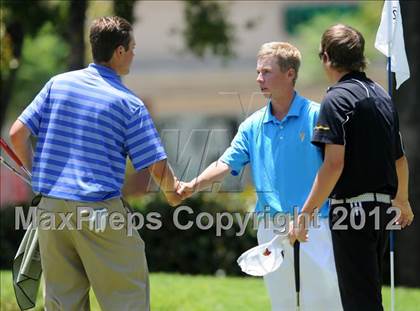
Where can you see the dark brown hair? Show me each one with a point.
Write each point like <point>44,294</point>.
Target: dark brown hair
<point>345,48</point>
<point>106,34</point>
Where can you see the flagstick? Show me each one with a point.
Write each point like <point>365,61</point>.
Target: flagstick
<point>391,233</point>
<point>390,41</point>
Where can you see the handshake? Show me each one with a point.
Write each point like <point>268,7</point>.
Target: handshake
<point>180,190</point>
<point>186,189</point>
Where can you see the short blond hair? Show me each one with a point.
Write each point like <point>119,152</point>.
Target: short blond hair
<point>288,56</point>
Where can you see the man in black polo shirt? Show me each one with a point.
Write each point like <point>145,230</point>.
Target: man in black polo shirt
<point>364,168</point>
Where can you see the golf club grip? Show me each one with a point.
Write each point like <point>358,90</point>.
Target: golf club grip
<point>10,152</point>
<point>296,255</point>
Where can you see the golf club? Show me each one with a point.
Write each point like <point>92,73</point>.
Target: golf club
<point>391,263</point>
<point>10,167</point>
<point>296,255</point>
<point>13,156</point>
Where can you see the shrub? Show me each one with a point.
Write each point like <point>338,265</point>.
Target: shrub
<point>196,251</point>
<point>170,249</point>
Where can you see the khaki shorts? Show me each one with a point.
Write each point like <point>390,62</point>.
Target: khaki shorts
<point>75,258</point>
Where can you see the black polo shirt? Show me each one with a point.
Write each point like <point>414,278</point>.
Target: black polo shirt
<point>359,114</point>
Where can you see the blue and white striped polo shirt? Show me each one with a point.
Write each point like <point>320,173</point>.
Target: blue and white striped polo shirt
<point>87,122</point>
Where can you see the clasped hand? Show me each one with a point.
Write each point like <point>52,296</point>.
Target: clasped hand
<point>185,189</point>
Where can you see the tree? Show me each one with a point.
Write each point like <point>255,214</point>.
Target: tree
<point>206,30</point>
<point>77,14</point>
<point>125,8</point>
<point>17,21</point>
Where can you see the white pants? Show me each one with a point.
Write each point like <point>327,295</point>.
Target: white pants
<point>318,277</point>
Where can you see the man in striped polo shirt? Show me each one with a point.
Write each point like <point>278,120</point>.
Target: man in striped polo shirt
<point>86,123</point>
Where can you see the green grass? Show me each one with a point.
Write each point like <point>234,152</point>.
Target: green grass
<point>173,292</point>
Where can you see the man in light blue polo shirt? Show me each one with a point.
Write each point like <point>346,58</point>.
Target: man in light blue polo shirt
<point>276,142</point>
<point>87,123</point>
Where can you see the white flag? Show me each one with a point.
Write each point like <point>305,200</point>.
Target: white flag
<point>390,40</point>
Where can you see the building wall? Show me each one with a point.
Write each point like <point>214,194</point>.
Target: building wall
<point>174,82</point>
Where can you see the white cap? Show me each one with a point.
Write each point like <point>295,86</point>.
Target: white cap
<point>263,259</point>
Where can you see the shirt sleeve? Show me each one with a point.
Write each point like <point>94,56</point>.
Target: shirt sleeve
<point>399,147</point>
<point>315,118</point>
<point>329,128</point>
<point>143,143</point>
<point>237,155</point>
<point>32,114</point>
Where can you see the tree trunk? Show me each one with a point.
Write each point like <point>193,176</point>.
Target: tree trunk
<point>15,33</point>
<point>125,9</point>
<point>407,247</point>
<point>76,34</point>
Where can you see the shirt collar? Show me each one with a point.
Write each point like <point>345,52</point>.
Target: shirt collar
<point>104,71</point>
<point>294,110</point>
<point>353,75</point>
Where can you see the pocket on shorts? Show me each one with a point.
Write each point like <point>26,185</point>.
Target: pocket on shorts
<point>127,210</point>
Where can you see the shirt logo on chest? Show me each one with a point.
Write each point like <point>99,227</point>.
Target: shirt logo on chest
<point>302,136</point>
<point>321,128</point>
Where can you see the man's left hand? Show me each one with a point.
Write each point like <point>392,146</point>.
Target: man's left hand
<point>407,216</point>
<point>291,235</point>
<point>301,228</point>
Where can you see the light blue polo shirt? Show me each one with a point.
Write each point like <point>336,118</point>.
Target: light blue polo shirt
<point>283,161</point>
